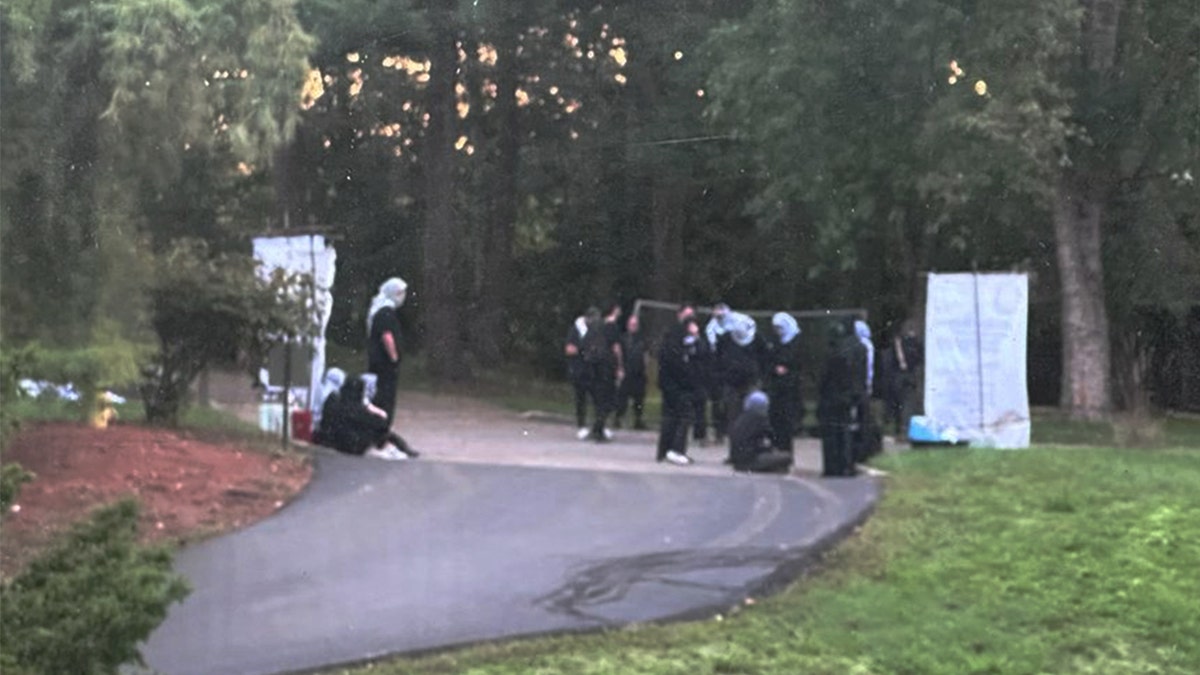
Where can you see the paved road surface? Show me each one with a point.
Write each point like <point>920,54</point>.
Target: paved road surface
<point>504,528</point>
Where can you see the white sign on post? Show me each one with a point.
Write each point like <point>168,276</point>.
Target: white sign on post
<point>975,340</point>
<point>306,254</point>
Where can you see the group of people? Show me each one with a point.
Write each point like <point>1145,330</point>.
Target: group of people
<point>746,388</point>
<point>355,414</point>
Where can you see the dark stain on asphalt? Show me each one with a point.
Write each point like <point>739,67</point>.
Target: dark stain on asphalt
<point>594,585</point>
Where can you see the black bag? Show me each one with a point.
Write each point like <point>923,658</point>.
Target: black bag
<point>595,345</point>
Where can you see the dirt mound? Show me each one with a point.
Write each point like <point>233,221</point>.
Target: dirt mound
<point>187,487</point>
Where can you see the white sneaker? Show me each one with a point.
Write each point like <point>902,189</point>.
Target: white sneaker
<point>678,458</point>
<point>582,434</point>
<point>388,452</point>
<point>608,434</point>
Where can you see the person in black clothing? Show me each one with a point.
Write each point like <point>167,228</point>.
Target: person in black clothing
<point>678,382</point>
<point>899,364</point>
<point>783,379</point>
<point>704,364</point>
<point>383,343</point>
<point>750,438</point>
<point>633,386</point>
<point>742,355</point>
<point>836,400</point>
<point>351,425</point>
<point>714,332</point>
<point>577,373</point>
<point>602,358</point>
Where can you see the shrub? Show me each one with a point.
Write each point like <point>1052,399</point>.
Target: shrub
<point>12,477</point>
<point>84,605</point>
<point>211,309</point>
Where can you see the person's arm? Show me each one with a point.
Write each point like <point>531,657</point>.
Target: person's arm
<point>389,345</point>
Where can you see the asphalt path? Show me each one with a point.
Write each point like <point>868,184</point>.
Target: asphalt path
<point>378,558</point>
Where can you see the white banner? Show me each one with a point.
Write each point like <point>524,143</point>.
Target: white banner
<point>306,254</point>
<point>975,337</point>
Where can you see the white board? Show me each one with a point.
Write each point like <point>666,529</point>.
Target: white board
<point>975,341</point>
<point>305,254</point>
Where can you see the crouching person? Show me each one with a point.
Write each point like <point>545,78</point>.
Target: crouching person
<point>351,424</point>
<point>750,439</point>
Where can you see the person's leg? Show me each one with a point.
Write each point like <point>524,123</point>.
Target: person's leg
<point>771,462</point>
<point>581,394</point>
<point>602,384</point>
<point>699,417</point>
<point>781,411</point>
<point>670,420</point>
<point>638,393</point>
<point>687,408</point>
<point>719,413</point>
<point>385,392</point>
<point>622,404</point>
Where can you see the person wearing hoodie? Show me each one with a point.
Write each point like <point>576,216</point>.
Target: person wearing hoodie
<point>783,379</point>
<point>383,343</point>
<point>750,438</point>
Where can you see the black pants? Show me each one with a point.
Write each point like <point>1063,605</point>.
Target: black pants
<point>898,394</point>
<point>633,388</point>
<point>678,408</point>
<point>700,416</point>
<point>385,391</point>
<point>772,461</point>
<point>782,416</point>
<point>836,447</point>
<point>602,387</point>
<point>580,385</point>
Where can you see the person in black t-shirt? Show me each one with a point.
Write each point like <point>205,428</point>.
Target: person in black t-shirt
<point>633,386</point>
<point>383,343</point>
<point>679,383</point>
<point>602,358</point>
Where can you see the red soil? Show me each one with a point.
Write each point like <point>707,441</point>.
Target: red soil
<point>187,487</point>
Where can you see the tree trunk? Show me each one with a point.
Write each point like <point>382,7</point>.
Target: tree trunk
<point>1079,206</point>
<point>488,335</point>
<point>439,302</point>
<point>1086,362</point>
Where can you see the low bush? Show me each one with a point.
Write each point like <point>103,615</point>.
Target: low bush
<point>84,605</point>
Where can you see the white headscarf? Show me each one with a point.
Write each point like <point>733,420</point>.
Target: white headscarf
<point>863,331</point>
<point>333,381</point>
<point>742,328</point>
<point>786,325</point>
<point>391,294</point>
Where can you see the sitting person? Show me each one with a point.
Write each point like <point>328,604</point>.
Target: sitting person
<point>351,424</point>
<point>750,439</point>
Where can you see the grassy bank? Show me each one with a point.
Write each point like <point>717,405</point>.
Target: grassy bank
<point>1056,559</point>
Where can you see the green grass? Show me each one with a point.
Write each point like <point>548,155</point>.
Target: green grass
<point>1052,560</point>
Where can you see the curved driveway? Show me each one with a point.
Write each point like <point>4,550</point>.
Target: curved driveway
<point>516,531</point>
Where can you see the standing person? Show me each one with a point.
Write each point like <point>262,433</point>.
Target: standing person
<point>866,440</point>
<point>602,360</point>
<point>836,400</point>
<point>705,368</point>
<point>633,386</point>
<point>783,380</point>
<point>383,343</point>
<point>677,380</point>
<point>905,356</point>
<point>743,357</point>
<point>750,444</point>
<point>577,373</point>
<point>714,333</point>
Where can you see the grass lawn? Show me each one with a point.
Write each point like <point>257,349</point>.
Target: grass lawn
<point>1051,560</point>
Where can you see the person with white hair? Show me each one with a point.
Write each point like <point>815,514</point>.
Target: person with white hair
<point>783,380</point>
<point>383,343</point>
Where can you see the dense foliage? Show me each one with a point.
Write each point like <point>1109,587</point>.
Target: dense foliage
<point>85,605</point>
<point>516,162</point>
